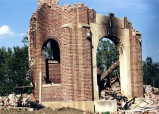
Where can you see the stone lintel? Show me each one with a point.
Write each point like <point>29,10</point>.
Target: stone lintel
<point>51,85</point>
<point>67,25</point>
<point>52,62</point>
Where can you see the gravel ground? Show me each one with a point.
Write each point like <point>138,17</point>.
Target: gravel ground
<point>42,111</point>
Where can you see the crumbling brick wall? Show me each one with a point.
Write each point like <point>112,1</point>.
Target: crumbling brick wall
<point>136,63</point>
<point>75,51</point>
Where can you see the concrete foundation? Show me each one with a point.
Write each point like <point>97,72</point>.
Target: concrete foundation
<point>105,106</point>
<point>83,105</point>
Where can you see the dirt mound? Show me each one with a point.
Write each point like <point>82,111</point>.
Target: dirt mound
<point>44,111</point>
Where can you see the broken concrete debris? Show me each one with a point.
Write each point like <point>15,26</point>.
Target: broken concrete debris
<point>147,105</point>
<point>13,100</point>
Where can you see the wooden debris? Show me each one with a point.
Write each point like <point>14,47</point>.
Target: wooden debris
<point>109,70</point>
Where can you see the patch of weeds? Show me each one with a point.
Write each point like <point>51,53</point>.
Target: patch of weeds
<point>105,112</point>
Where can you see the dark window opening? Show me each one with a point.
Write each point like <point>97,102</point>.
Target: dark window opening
<point>52,61</point>
<point>52,51</point>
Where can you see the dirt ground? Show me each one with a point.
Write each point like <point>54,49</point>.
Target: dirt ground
<point>43,111</point>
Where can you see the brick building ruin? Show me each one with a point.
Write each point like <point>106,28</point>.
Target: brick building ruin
<point>74,33</point>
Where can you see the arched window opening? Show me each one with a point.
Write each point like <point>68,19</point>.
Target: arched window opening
<point>52,52</point>
<point>108,67</point>
<point>52,62</point>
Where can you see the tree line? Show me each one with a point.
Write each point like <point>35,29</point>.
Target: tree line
<point>150,72</point>
<point>13,68</point>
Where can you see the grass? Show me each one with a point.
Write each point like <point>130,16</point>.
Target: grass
<point>105,112</point>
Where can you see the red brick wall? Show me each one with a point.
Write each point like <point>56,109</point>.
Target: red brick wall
<point>136,65</point>
<point>54,73</point>
<point>51,94</point>
<point>75,51</point>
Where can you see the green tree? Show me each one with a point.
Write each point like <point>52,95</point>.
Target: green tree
<point>3,56</point>
<point>107,54</point>
<point>48,51</point>
<point>150,72</point>
<point>13,68</point>
<point>25,40</point>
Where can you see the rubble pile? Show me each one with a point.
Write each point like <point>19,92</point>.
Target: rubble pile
<point>147,105</point>
<point>122,102</point>
<point>145,111</point>
<point>114,93</point>
<point>13,100</point>
<point>152,93</point>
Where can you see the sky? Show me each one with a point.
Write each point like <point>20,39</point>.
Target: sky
<point>143,14</point>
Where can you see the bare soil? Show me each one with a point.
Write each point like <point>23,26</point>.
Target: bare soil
<point>43,111</point>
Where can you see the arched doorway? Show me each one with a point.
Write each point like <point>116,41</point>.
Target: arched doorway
<point>125,76</point>
<point>117,30</point>
<point>108,67</point>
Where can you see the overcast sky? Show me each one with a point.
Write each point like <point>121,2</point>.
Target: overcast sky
<point>144,15</point>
